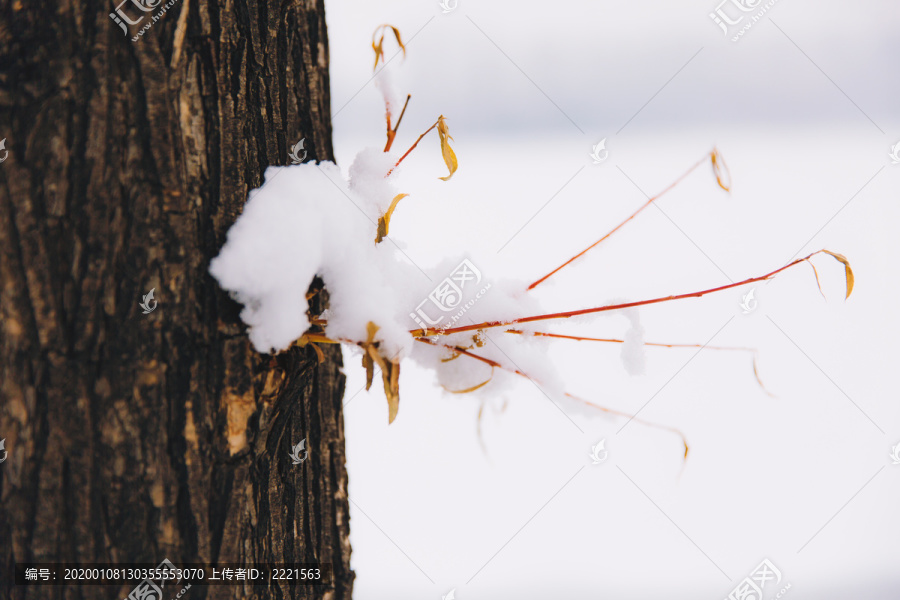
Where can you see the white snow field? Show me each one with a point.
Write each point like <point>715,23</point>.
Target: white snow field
<point>799,473</point>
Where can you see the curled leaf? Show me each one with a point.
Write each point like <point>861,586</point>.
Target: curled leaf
<point>311,340</point>
<point>369,351</point>
<point>454,356</point>
<point>314,337</point>
<point>847,270</point>
<point>378,46</point>
<point>720,168</point>
<point>474,387</point>
<point>319,354</point>
<point>390,376</point>
<point>446,151</point>
<point>384,221</point>
<point>390,371</point>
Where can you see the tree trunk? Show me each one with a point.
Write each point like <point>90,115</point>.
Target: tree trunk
<point>136,437</point>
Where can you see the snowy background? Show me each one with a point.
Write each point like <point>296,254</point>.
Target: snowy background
<point>804,110</point>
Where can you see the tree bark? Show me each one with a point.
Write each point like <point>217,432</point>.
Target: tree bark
<point>135,437</point>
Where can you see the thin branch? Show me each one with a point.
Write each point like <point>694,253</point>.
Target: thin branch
<point>411,148</point>
<point>635,419</point>
<point>620,225</point>
<point>495,364</point>
<point>754,352</point>
<point>483,359</point>
<point>587,311</point>
<point>392,133</point>
<point>616,341</point>
<point>818,283</point>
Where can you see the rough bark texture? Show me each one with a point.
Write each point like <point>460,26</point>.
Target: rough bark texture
<point>135,437</point>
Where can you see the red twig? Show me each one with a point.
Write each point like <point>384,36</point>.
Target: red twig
<point>591,339</point>
<point>587,311</point>
<point>494,363</point>
<point>619,226</point>
<point>411,148</point>
<point>579,338</point>
<point>483,359</point>
<point>392,133</point>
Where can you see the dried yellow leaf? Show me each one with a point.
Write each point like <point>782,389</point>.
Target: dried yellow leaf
<point>384,221</point>
<point>473,388</point>
<point>847,270</point>
<point>311,339</point>
<point>446,151</point>
<point>393,407</point>
<point>390,371</point>
<point>369,366</point>
<point>392,389</point>
<point>373,353</point>
<point>371,330</point>
<point>719,167</point>
<point>315,337</point>
<point>378,46</point>
<point>319,354</point>
<point>369,353</point>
